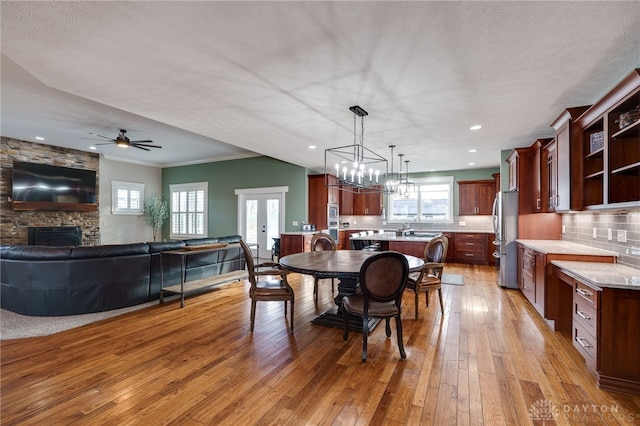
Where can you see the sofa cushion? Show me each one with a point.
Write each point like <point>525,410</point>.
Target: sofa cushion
<point>165,245</point>
<point>35,252</point>
<point>109,250</point>
<point>230,239</point>
<point>201,241</point>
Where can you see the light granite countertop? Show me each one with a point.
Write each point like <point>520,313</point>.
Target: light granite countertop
<point>564,247</point>
<point>602,275</point>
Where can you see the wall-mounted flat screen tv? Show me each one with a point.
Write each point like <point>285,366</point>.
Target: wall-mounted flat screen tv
<point>43,183</point>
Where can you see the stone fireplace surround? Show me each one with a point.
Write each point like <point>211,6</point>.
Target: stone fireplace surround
<point>14,224</point>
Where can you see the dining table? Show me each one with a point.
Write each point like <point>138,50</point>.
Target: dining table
<point>345,266</point>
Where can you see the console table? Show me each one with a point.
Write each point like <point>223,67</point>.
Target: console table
<point>200,284</point>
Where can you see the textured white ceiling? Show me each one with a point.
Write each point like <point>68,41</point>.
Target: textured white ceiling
<point>219,80</point>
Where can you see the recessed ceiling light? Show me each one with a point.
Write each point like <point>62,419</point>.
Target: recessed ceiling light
<point>93,147</point>
<point>475,127</point>
<point>311,147</point>
<point>473,150</point>
<point>39,138</point>
<point>472,164</point>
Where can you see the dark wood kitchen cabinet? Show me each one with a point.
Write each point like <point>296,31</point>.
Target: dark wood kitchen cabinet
<point>603,326</point>
<point>563,166</point>
<point>608,148</point>
<point>368,203</point>
<point>346,203</point>
<point>476,197</point>
<point>471,247</point>
<point>319,196</point>
<point>291,243</point>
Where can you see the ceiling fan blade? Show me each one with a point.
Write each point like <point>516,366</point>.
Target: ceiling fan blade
<point>104,137</point>
<point>147,141</point>
<point>140,147</point>
<point>92,139</point>
<point>106,143</point>
<point>145,145</point>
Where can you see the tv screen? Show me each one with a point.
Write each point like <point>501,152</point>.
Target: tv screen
<point>44,183</point>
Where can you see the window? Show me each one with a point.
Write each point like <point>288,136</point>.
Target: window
<point>431,202</point>
<point>126,197</point>
<point>189,210</point>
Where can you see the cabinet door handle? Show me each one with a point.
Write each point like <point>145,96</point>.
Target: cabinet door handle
<point>469,254</point>
<point>583,342</point>
<point>538,203</point>
<point>469,244</point>
<point>583,292</point>
<point>583,315</point>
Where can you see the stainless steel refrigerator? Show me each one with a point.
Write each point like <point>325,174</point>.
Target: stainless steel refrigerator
<point>505,226</point>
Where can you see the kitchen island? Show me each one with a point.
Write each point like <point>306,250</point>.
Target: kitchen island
<point>534,269</point>
<point>599,307</point>
<point>411,244</point>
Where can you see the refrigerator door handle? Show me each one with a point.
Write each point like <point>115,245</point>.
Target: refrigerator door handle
<point>494,210</point>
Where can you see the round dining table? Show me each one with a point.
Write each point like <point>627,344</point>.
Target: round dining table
<point>345,266</point>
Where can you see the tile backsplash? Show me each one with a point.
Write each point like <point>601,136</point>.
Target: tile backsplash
<point>460,223</point>
<point>579,228</point>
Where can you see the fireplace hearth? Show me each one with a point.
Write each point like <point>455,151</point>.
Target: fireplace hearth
<point>55,235</point>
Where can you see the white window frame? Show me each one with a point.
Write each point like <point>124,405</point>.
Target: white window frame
<point>118,185</point>
<point>435,180</point>
<point>183,187</point>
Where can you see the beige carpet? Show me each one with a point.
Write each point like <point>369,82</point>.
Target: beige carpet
<point>16,326</point>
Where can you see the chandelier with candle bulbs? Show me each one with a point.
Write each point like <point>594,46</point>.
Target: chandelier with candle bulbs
<point>357,168</point>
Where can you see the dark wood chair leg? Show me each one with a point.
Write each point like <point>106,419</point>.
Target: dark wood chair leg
<point>315,289</point>
<point>441,304</point>
<point>253,313</point>
<point>403,354</point>
<point>417,299</point>
<point>365,333</point>
<point>291,316</point>
<point>387,326</point>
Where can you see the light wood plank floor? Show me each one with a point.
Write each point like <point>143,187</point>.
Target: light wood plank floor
<point>489,361</point>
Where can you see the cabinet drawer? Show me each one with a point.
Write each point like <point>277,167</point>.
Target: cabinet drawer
<point>586,345</point>
<point>471,256</point>
<point>528,264</point>
<point>465,237</point>
<point>528,289</point>
<point>586,293</point>
<point>585,314</point>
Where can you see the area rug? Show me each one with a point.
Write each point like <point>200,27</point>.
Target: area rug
<point>452,279</point>
<point>16,326</point>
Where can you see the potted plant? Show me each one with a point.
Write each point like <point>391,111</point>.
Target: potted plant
<point>156,212</point>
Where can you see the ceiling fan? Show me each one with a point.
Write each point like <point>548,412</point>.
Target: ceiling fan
<point>123,141</point>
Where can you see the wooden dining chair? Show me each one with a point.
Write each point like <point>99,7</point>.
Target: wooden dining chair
<point>322,241</point>
<point>264,284</point>
<point>430,276</point>
<point>383,277</point>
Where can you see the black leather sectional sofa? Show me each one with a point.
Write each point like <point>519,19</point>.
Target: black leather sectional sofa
<point>51,281</point>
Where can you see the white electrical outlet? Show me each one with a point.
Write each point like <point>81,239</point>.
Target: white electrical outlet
<point>462,223</point>
<point>622,235</point>
<point>564,229</point>
<point>609,234</point>
<point>295,223</point>
<point>595,233</point>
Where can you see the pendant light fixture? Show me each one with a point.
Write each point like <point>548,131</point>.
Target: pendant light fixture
<point>357,168</point>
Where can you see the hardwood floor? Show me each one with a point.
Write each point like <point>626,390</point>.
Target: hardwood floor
<point>490,361</point>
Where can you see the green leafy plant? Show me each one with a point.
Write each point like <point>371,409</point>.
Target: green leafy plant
<point>156,212</point>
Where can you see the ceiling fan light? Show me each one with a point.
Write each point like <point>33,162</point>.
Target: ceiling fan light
<point>122,144</point>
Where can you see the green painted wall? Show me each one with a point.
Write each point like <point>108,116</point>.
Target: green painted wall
<point>224,177</point>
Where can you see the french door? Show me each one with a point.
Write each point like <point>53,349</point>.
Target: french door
<point>260,218</point>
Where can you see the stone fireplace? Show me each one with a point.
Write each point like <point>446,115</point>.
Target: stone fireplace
<point>54,235</point>
<point>15,224</point>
